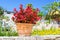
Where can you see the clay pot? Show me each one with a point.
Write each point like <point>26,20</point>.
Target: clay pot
<point>24,29</point>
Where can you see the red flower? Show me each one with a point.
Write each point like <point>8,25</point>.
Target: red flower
<point>37,10</point>
<point>13,18</point>
<point>21,6</point>
<point>38,18</point>
<point>18,20</point>
<point>27,15</point>
<point>14,9</point>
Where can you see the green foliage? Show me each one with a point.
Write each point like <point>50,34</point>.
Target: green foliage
<point>1,10</point>
<point>47,17</point>
<point>3,17</point>
<point>50,7</point>
<point>7,31</point>
<point>40,14</point>
<point>29,5</point>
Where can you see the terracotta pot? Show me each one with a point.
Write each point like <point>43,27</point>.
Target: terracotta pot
<point>24,29</point>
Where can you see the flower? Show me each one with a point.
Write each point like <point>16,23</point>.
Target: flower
<point>14,9</point>
<point>26,15</point>
<point>21,6</point>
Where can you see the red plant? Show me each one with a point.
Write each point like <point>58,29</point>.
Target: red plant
<point>27,15</point>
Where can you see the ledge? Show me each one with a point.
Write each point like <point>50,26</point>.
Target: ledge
<point>57,37</point>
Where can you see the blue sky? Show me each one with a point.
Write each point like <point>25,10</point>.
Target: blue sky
<point>10,4</point>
